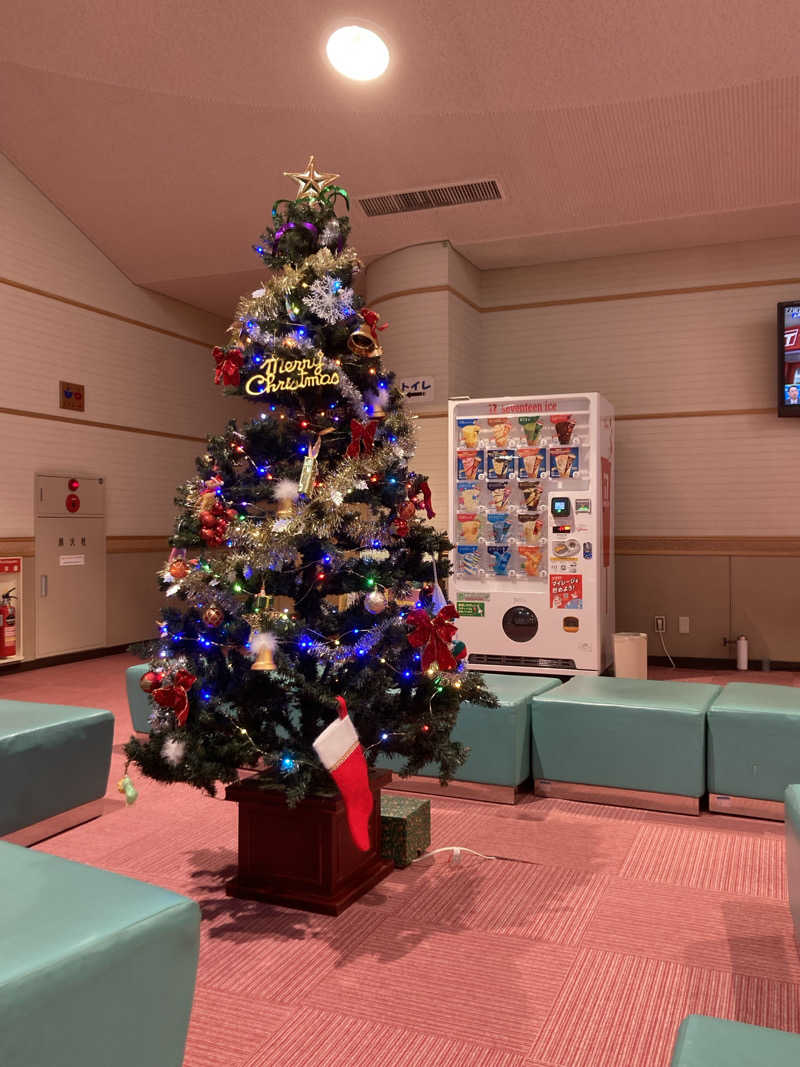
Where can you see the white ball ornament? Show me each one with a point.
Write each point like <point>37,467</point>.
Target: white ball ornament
<point>375,602</point>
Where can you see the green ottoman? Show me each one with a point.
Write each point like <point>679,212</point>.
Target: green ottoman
<point>138,701</point>
<point>706,1042</point>
<point>96,969</point>
<point>622,741</point>
<point>753,748</point>
<point>54,764</point>
<point>499,740</point>
<point>792,806</point>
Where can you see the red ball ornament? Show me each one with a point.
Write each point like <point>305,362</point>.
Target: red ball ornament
<point>213,615</point>
<point>151,680</point>
<point>178,569</point>
<point>406,510</point>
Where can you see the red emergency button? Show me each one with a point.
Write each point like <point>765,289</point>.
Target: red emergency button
<point>73,502</point>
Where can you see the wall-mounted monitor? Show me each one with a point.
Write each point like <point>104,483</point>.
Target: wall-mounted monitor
<point>789,358</point>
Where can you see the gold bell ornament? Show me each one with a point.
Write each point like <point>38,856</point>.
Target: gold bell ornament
<point>363,341</point>
<point>263,644</point>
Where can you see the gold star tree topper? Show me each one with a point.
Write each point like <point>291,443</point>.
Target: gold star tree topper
<point>310,182</point>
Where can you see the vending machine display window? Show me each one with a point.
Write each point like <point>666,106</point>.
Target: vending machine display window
<point>531,493</point>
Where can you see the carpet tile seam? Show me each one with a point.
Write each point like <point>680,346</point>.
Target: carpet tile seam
<point>646,882</point>
<point>689,966</point>
<point>354,1013</point>
<point>308,1009</point>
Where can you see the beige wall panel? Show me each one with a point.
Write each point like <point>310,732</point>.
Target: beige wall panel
<point>766,607</point>
<point>141,472</point>
<point>134,596</point>
<point>700,477</point>
<point>408,268</point>
<point>39,246</point>
<point>431,459</point>
<point>417,343</point>
<point>696,586</point>
<point>671,269</point>
<point>133,376</point>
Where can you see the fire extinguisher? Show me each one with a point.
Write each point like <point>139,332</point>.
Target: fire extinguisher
<point>8,626</point>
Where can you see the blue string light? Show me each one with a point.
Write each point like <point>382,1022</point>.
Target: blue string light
<point>287,764</point>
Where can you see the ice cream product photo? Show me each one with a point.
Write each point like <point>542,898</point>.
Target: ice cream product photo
<point>500,463</point>
<point>470,464</point>
<point>564,462</point>
<point>563,426</point>
<point>532,463</point>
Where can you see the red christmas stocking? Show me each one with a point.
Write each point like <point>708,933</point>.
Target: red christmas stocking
<point>341,754</point>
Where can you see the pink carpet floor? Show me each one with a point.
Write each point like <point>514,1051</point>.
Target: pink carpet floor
<point>594,932</point>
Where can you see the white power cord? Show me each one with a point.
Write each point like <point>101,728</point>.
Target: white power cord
<point>456,857</point>
<point>671,660</point>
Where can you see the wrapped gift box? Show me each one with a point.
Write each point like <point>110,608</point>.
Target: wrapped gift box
<point>405,828</point>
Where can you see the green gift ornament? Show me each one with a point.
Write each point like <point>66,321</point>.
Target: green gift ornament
<point>126,786</point>
<point>405,829</point>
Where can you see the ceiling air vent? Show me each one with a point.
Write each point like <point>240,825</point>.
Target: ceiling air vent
<point>422,199</point>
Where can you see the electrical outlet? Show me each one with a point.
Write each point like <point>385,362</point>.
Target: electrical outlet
<point>660,623</point>
<point>684,624</point>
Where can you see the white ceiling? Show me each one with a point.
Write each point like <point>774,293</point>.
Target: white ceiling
<point>162,129</point>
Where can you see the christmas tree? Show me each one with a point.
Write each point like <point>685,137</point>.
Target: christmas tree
<point>300,570</point>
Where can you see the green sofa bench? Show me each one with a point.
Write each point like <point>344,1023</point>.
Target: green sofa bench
<point>753,748</point>
<point>792,807</point>
<point>706,1042</point>
<point>54,764</point>
<point>623,741</point>
<point>499,740</point>
<point>138,701</point>
<point>95,969</point>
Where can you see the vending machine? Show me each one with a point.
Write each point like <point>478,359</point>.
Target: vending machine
<point>532,522</point>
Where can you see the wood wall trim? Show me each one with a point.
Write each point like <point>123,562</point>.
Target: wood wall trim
<point>694,414</point>
<point>102,311</point>
<point>424,290</point>
<point>773,547</point>
<point>599,298</point>
<point>770,547</point>
<point>16,546</point>
<point>115,544</point>
<point>51,417</point>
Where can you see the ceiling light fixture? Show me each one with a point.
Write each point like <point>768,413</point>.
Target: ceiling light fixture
<point>357,53</point>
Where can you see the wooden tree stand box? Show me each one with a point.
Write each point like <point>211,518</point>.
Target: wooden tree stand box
<point>405,829</point>
<point>304,857</point>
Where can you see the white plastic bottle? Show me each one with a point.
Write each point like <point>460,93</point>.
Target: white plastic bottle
<point>742,653</point>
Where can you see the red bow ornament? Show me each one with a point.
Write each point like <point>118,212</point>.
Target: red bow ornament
<point>371,320</point>
<point>361,433</point>
<point>228,365</point>
<point>175,696</point>
<point>433,636</point>
<point>423,489</point>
